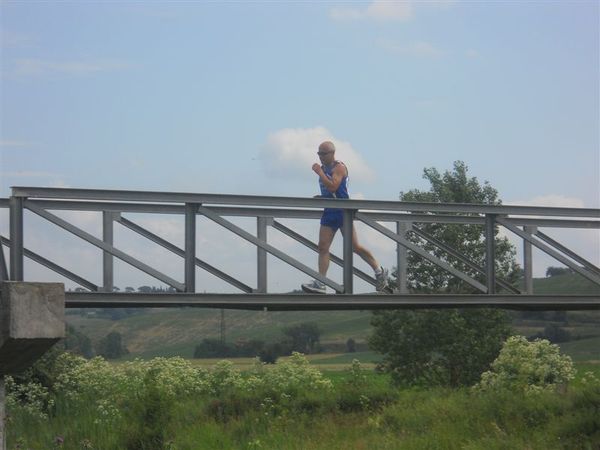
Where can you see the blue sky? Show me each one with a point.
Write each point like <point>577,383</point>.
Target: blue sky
<point>234,97</point>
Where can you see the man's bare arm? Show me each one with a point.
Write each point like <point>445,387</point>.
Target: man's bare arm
<point>331,184</point>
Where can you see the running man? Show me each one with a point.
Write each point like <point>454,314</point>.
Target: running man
<point>333,181</point>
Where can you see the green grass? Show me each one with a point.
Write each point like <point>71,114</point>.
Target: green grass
<point>582,350</point>
<point>565,284</point>
<point>409,419</point>
<point>346,358</point>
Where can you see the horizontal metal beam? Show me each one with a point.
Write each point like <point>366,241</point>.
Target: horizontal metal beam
<point>554,223</point>
<point>296,202</point>
<point>288,213</point>
<point>303,302</point>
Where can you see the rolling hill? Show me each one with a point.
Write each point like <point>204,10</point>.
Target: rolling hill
<point>171,332</point>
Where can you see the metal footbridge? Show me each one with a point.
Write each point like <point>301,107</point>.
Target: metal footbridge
<point>118,206</point>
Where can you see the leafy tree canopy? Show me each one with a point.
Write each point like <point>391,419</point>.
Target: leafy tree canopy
<point>446,347</point>
<point>111,346</point>
<point>303,337</point>
<point>556,271</point>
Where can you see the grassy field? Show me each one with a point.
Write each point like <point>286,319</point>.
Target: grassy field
<point>582,350</point>
<point>363,411</point>
<point>365,414</point>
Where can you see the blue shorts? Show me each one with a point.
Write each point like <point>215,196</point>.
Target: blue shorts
<point>333,218</point>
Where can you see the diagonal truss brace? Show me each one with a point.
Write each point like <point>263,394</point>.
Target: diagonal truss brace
<point>557,245</point>
<point>461,257</point>
<point>180,252</point>
<point>549,250</point>
<point>53,266</point>
<point>269,248</point>
<point>419,251</point>
<point>308,243</point>
<point>106,247</point>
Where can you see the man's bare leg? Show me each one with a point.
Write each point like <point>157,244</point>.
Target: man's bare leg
<point>363,252</point>
<point>381,274</point>
<point>326,235</point>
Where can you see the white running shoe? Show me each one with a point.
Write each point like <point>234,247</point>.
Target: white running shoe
<point>315,287</point>
<point>382,280</point>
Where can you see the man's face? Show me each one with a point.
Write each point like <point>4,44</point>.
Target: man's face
<point>326,156</point>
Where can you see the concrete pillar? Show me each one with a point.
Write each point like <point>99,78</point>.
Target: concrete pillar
<point>32,319</point>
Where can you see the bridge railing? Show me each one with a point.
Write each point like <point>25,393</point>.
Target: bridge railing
<point>408,217</point>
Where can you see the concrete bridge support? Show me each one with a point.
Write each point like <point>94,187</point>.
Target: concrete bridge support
<point>32,319</point>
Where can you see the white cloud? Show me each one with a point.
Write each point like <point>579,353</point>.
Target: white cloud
<point>387,10</point>
<point>378,10</point>
<point>345,14</point>
<point>419,49</point>
<point>472,53</point>
<point>292,152</point>
<point>33,66</point>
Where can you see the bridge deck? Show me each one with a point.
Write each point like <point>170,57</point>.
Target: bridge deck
<point>299,302</point>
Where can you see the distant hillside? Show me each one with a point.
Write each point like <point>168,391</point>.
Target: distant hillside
<point>565,284</point>
<point>170,332</point>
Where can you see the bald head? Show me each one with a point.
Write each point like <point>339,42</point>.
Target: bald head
<point>327,146</point>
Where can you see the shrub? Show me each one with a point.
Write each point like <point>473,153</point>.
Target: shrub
<point>554,334</point>
<point>212,348</point>
<point>150,416</point>
<point>528,367</point>
<point>31,398</point>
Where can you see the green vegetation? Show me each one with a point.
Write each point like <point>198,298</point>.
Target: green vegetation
<point>567,283</point>
<point>170,404</point>
<point>528,367</point>
<point>456,187</point>
<point>446,347</point>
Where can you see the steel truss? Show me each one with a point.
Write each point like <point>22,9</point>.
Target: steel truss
<point>523,221</point>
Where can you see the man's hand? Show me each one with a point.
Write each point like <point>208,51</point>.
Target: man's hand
<point>317,169</point>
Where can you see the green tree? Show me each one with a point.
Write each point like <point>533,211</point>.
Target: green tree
<point>78,343</point>
<point>446,347</point>
<point>304,337</point>
<point>212,348</point>
<point>556,271</point>
<point>111,346</point>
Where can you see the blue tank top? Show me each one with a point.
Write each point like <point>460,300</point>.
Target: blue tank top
<point>342,190</point>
